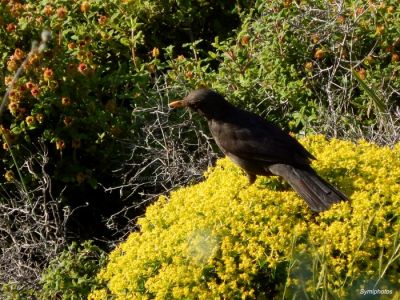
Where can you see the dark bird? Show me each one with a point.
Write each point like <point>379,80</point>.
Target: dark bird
<point>261,148</point>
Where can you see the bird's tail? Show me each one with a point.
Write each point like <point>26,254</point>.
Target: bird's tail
<point>318,193</point>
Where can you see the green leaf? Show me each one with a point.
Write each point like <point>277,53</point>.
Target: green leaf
<point>378,102</point>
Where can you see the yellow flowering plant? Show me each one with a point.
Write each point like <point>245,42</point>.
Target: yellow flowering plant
<point>224,239</point>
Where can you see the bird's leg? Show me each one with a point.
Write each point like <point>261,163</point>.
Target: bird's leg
<point>251,177</point>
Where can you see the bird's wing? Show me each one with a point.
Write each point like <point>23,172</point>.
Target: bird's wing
<point>248,136</point>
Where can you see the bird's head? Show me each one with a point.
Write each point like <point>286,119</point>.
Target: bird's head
<point>205,101</point>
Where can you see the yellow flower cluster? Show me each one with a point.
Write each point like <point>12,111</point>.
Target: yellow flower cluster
<point>224,239</point>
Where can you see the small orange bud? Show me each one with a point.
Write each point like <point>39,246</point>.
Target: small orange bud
<point>30,120</point>
<point>71,45</point>
<point>8,80</point>
<point>359,11</point>
<point>245,40</point>
<point>189,74</point>
<point>48,10</point>
<point>61,12</point>
<point>11,27</point>
<point>67,121</point>
<point>35,92</point>
<point>395,57</point>
<point>85,6</point>
<point>379,29</point>
<point>362,73</point>
<point>341,19</point>
<point>102,20</point>
<point>48,74</point>
<point>287,3</point>
<point>60,144</point>
<point>65,101</point>
<point>29,85</point>
<point>156,52</point>
<point>18,54</point>
<point>13,107</point>
<point>319,54</point>
<point>83,68</point>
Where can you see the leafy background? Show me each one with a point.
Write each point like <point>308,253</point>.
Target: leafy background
<point>88,140</point>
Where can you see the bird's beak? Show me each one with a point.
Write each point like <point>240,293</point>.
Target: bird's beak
<point>178,104</point>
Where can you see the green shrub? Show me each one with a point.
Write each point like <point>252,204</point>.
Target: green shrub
<point>72,274</point>
<point>224,239</point>
<point>297,61</point>
<point>77,96</point>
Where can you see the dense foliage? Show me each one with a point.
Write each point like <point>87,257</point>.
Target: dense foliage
<point>88,139</point>
<point>224,239</point>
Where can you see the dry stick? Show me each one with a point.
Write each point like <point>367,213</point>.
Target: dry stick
<point>45,37</point>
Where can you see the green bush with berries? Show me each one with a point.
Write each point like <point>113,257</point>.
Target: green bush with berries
<point>77,95</point>
<point>312,66</point>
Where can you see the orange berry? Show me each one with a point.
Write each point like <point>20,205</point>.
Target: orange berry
<point>245,40</point>
<point>30,120</point>
<point>395,57</point>
<point>18,54</point>
<point>61,12</point>
<point>102,20</point>
<point>29,85</point>
<point>341,19</point>
<point>8,80</point>
<point>65,101</point>
<point>48,74</point>
<point>48,10</point>
<point>71,45</point>
<point>67,121</point>
<point>13,107</point>
<point>359,11</point>
<point>83,68</point>
<point>189,74</point>
<point>319,54</point>
<point>35,92</point>
<point>362,73</point>
<point>379,29</point>
<point>85,6</point>
<point>11,27</point>
<point>60,144</point>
